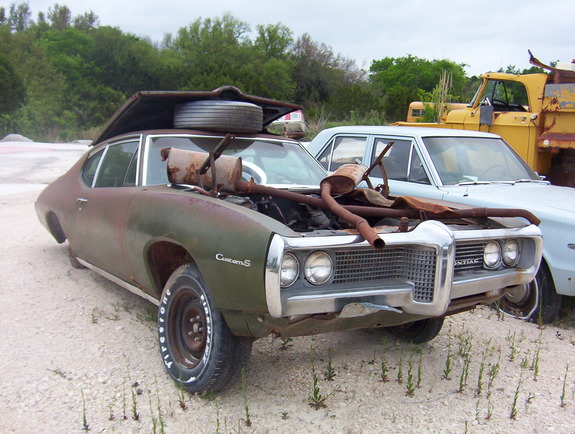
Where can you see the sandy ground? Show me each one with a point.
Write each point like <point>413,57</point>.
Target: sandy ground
<point>77,350</point>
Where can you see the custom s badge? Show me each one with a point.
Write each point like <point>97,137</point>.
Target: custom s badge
<point>245,263</point>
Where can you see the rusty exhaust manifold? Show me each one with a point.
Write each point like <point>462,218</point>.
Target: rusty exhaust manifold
<point>184,168</point>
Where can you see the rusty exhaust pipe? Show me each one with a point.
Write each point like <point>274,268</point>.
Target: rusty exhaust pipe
<point>342,181</point>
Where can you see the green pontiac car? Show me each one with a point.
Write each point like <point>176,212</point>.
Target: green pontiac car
<point>236,234</point>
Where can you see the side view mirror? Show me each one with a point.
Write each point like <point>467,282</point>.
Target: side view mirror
<point>486,115</point>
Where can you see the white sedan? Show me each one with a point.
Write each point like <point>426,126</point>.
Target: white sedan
<point>478,169</point>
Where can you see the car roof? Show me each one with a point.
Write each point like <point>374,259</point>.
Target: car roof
<point>154,110</point>
<point>400,130</point>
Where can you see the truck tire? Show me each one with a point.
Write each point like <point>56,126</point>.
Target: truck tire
<point>537,301</point>
<point>225,116</point>
<point>198,349</point>
<point>418,332</point>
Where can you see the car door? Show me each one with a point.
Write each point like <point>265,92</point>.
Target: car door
<point>104,204</point>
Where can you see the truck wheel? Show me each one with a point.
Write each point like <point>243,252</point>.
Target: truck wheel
<point>537,301</point>
<point>198,349</point>
<point>418,332</point>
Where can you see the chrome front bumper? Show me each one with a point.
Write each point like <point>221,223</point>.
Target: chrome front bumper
<point>398,290</point>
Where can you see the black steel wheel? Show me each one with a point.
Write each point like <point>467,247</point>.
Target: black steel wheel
<point>537,301</point>
<point>418,332</point>
<point>199,351</point>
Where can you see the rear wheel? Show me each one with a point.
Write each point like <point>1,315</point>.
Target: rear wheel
<point>418,332</point>
<point>199,351</point>
<point>537,301</point>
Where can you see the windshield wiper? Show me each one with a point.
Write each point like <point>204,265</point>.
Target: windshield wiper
<point>474,183</point>
<point>540,181</point>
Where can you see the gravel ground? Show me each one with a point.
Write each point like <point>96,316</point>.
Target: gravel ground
<point>78,351</point>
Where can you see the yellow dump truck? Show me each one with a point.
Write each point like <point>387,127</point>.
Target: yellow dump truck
<point>534,113</point>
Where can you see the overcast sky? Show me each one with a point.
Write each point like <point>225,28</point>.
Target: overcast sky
<point>485,35</point>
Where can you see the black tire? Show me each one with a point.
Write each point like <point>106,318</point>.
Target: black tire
<point>73,260</point>
<point>418,332</point>
<point>225,116</point>
<point>198,349</point>
<point>537,301</point>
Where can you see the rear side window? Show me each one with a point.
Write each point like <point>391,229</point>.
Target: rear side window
<point>343,150</point>
<point>90,168</point>
<point>114,167</point>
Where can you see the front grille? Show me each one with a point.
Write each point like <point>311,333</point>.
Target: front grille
<point>409,264</point>
<point>469,257</point>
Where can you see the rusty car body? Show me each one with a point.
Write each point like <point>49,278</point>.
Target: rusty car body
<point>236,234</point>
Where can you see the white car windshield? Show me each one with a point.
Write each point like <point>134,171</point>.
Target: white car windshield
<point>462,160</point>
<point>272,162</point>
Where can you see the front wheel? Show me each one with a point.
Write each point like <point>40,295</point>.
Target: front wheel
<point>418,332</point>
<point>537,301</point>
<point>199,351</point>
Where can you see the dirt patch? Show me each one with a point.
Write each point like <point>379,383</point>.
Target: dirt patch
<point>75,346</point>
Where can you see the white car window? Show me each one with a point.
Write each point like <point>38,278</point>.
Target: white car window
<point>343,150</point>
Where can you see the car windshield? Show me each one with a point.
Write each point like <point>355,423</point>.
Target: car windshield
<point>476,159</point>
<point>284,164</point>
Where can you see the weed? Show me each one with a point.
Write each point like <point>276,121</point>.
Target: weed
<point>60,373</point>
<point>410,386</point>
<point>317,400</point>
<point>528,400</point>
<point>150,315</point>
<point>124,404</point>
<point>285,415</point>
<point>489,408</point>
<point>513,412</point>
<point>400,369</point>
<point>247,420</point>
<point>85,425</point>
<point>217,415</point>
<point>493,372</point>
<point>329,373</point>
<point>181,395</point>
<point>464,374</point>
<point>563,403</point>
<point>134,391</point>
<point>95,315</point>
<point>512,346</point>
<point>154,419</point>
<point>447,369</point>
<point>524,363</point>
<point>465,346</point>
<point>111,409</point>
<point>481,373</point>
<point>419,371</point>
<point>286,343</point>
<point>535,364</point>
<point>384,367</point>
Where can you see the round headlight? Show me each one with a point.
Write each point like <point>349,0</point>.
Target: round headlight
<point>289,271</point>
<point>318,268</point>
<point>492,254</point>
<point>510,253</point>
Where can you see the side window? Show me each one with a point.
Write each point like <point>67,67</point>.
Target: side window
<point>395,161</point>
<point>114,168</point>
<point>416,171</point>
<point>343,150</point>
<point>89,170</point>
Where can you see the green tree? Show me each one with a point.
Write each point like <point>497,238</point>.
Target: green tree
<point>11,87</point>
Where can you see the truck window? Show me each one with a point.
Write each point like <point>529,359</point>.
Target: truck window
<point>506,95</point>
